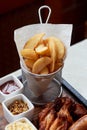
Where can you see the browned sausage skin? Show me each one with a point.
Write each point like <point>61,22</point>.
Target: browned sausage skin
<point>80,124</point>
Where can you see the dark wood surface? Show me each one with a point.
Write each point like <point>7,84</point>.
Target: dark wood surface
<point>3,121</point>
<point>70,12</point>
<point>9,21</point>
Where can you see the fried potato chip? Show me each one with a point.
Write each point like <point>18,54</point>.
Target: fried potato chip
<point>29,54</point>
<point>45,70</point>
<point>40,64</point>
<point>29,63</point>
<point>33,41</point>
<point>53,53</point>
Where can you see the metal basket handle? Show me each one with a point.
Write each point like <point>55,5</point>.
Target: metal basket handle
<point>39,13</point>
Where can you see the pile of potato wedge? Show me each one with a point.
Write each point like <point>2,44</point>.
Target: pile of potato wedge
<point>43,56</point>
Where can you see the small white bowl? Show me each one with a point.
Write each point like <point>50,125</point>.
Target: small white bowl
<point>9,116</point>
<point>6,79</point>
<point>23,120</point>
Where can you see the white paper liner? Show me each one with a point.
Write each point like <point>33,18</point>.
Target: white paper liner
<point>61,31</point>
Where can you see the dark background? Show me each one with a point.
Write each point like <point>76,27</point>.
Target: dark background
<point>15,14</point>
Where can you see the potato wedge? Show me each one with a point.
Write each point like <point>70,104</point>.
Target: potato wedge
<point>29,63</point>
<point>53,53</point>
<point>40,64</point>
<point>45,70</point>
<point>61,50</point>
<point>33,41</point>
<point>41,49</point>
<point>29,54</point>
<point>43,56</point>
<point>58,65</point>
